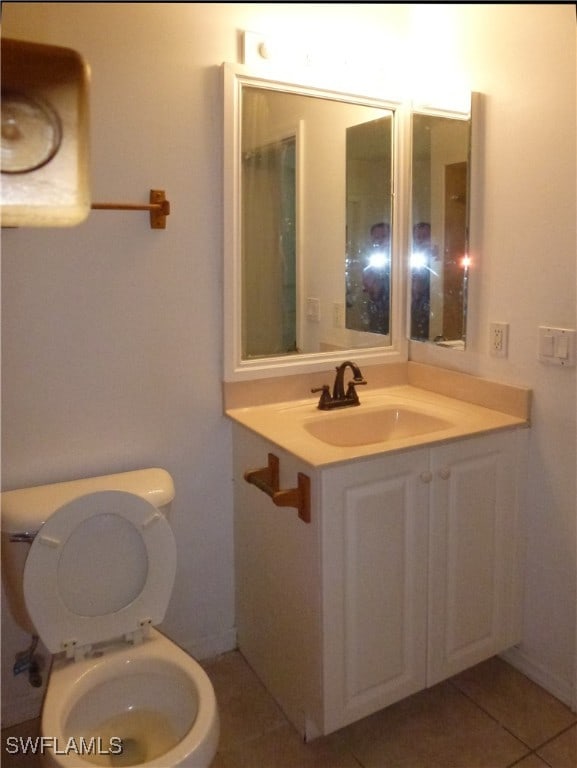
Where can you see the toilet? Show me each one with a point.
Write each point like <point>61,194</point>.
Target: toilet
<point>89,567</point>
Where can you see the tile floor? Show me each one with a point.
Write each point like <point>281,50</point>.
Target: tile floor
<point>490,716</point>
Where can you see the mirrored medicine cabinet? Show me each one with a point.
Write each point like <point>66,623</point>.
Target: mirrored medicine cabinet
<point>439,261</point>
<point>321,192</point>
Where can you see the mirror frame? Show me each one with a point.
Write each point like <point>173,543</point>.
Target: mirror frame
<point>238,369</point>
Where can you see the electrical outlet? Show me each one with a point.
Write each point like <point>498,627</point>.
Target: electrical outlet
<point>499,339</point>
<point>338,315</point>
<point>314,310</point>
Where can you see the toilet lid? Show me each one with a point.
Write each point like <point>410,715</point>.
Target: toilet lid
<point>101,566</point>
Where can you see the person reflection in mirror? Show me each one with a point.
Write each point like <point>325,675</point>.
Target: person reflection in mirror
<point>421,256</point>
<point>377,278</point>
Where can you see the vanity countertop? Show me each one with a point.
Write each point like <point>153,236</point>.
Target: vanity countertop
<point>389,419</point>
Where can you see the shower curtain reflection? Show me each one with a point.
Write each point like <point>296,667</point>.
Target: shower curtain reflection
<point>269,249</point>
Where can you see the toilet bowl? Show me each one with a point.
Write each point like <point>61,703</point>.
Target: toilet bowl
<point>95,582</point>
<point>150,704</point>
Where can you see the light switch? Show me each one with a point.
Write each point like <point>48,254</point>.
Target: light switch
<point>546,345</point>
<point>557,346</point>
<point>562,347</point>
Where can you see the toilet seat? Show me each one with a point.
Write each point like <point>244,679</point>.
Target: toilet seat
<point>102,566</point>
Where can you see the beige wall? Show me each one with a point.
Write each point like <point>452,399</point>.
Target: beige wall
<point>112,333</point>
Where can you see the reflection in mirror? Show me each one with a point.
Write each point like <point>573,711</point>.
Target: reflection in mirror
<point>315,220</point>
<point>269,227</point>
<point>368,257</point>
<point>439,261</point>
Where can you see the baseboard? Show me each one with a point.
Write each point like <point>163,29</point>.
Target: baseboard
<point>561,689</point>
<point>208,647</point>
<point>20,710</point>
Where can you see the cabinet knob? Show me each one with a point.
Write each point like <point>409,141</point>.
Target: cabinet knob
<point>426,477</point>
<point>445,473</point>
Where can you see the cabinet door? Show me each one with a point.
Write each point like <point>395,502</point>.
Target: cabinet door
<point>374,534</point>
<point>473,584</point>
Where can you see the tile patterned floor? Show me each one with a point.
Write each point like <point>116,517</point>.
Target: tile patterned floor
<point>490,716</point>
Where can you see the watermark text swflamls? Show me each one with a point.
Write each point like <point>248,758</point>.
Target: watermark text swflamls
<point>39,745</point>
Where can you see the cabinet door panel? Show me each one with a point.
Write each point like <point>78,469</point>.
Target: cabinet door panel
<point>376,583</point>
<point>375,578</point>
<point>473,517</point>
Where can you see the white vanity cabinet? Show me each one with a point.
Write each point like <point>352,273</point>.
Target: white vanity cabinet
<point>407,573</point>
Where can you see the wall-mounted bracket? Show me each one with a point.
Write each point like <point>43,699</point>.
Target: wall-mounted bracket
<point>159,208</point>
<point>267,480</point>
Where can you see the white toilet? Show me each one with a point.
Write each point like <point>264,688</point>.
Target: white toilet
<point>89,566</point>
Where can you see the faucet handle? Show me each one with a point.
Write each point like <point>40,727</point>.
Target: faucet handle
<point>325,397</point>
<point>352,392</point>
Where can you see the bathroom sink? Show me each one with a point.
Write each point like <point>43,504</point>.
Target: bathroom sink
<point>389,419</point>
<point>364,427</point>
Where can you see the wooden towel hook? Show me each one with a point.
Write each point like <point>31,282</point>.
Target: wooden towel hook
<point>266,479</point>
<point>159,208</point>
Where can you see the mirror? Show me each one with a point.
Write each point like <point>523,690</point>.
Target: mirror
<point>439,259</point>
<point>316,182</point>
<point>368,225</point>
<point>311,270</point>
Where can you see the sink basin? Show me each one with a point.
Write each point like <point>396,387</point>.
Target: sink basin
<point>364,427</point>
<point>389,419</point>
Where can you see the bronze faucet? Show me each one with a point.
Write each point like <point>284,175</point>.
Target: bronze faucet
<point>340,398</point>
